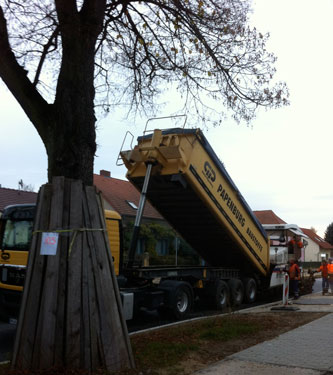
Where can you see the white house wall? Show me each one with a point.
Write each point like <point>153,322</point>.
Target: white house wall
<point>312,251</point>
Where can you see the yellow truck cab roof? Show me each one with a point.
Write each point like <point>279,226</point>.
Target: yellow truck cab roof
<point>110,214</point>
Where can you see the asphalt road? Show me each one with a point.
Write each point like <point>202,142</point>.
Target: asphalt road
<point>7,331</point>
<point>316,286</point>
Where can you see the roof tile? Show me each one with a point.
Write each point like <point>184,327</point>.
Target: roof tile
<point>12,196</point>
<point>268,217</point>
<point>119,192</point>
<point>317,239</point>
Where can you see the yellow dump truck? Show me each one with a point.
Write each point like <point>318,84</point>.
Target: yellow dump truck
<point>180,174</point>
<point>182,177</point>
<point>192,190</point>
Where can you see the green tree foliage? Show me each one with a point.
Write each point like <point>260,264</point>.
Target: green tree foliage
<point>150,234</point>
<point>62,58</point>
<point>329,234</point>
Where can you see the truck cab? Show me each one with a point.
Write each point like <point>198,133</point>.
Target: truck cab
<point>16,225</point>
<point>16,231</point>
<point>287,241</point>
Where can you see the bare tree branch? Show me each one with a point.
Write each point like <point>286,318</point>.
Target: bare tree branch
<point>89,54</point>
<point>51,42</point>
<point>15,77</point>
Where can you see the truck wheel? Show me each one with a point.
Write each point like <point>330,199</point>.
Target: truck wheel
<point>250,290</point>
<point>179,299</point>
<point>221,295</point>
<point>236,291</point>
<point>218,294</point>
<point>182,304</point>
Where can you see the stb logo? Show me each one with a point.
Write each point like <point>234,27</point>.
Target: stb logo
<point>5,256</point>
<point>50,240</point>
<point>209,172</point>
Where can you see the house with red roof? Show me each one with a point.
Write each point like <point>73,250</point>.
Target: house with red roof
<point>317,248</point>
<point>123,197</point>
<point>118,195</point>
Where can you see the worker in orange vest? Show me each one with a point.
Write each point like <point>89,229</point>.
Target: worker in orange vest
<point>330,274</point>
<point>324,275</point>
<point>294,276</point>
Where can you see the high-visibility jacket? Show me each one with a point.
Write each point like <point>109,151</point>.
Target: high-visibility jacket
<point>294,272</point>
<point>324,270</point>
<point>330,269</point>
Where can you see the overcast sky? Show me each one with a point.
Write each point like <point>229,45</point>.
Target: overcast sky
<point>283,162</point>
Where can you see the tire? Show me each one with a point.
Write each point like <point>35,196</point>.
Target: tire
<point>250,290</point>
<point>218,295</point>
<point>236,291</point>
<point>182,302</point>
<point>179,298</point>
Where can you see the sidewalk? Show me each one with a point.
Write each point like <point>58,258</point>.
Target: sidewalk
<point>306,350</point>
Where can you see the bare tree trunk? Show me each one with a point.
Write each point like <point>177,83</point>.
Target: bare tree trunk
<point>71,312</point>
<point>67,126</point>
<point>71,147</point>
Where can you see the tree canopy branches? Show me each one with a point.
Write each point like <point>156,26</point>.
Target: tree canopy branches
<point>204,49</point>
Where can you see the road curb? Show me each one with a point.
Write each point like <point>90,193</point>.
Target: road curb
<point>203,318</point>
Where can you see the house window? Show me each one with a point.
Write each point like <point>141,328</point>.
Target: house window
<point>162,247</point>
<point>140,247</point>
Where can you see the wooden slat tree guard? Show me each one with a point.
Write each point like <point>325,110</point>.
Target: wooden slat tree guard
<point>71,309</point>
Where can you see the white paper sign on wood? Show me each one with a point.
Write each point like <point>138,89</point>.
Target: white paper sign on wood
<point>49,243</point>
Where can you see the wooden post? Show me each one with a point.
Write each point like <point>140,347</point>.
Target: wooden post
<point>71,314</point>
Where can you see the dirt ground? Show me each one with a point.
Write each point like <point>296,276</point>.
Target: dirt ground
<point>272,323</point>
<point>202,352</point>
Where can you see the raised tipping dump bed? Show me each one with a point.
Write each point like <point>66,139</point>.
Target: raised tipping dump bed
<point>192,190</point>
